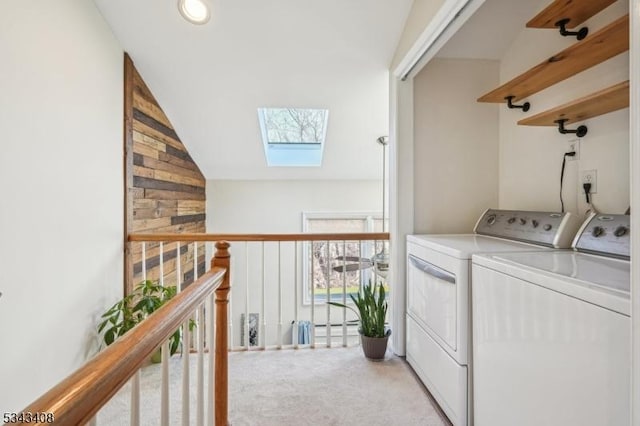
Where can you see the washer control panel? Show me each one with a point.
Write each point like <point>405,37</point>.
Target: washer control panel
<point>550,229</point>
<point>605,234</point>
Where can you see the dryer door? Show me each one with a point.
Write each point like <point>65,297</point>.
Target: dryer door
<point>432,299</point>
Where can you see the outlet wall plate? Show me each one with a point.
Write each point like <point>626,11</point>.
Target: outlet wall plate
<point>574,146</point>
<point>589,176</point>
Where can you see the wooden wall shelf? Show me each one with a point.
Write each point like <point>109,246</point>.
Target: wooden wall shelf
<point>607,100</point>
<point>577,11</point>
<point>595,48</point>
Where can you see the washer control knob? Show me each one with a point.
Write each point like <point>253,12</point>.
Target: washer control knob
<point>511,220</point>
<point>491,219</point>
<point>535,223</point>
<point>523,221</point>
<point>597,231</point>
<point>547,227</point>
<point>620,231</point>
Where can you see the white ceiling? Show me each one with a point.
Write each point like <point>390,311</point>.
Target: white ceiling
<point>491,30</point>
<point>211,79</point>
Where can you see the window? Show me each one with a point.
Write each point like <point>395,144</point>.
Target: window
<point>293,136</point>
<point>323,265</point>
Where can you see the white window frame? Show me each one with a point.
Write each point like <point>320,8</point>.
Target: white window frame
<point>366,274</point>
<point>301,147</point>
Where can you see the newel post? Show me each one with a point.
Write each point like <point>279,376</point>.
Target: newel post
<point>222,259</point>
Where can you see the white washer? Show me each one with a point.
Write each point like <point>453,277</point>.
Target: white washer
<point>551,332</point>
<point>438,283</point>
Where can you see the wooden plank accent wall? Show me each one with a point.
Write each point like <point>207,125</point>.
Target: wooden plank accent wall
<point>164,186</point>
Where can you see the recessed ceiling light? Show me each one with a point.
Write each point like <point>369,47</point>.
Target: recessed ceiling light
<point>194,11</point>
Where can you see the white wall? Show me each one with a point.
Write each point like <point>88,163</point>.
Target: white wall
<point>531,157</point>
<point>61,220</point>
<point>455,145</point>
<point>276,207</point>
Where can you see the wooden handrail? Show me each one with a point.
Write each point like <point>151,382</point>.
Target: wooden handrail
<point>76,399</point>
<point>362,236</point>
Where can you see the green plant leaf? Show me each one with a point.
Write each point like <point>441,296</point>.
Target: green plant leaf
<point>109,336</point>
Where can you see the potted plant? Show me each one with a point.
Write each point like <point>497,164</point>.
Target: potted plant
<point>146,298</point>
<point>371,311</point>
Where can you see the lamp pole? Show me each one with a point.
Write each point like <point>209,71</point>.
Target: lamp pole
<point>381,260</point>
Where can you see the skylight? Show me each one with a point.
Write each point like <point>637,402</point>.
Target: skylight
<point>293,137</point>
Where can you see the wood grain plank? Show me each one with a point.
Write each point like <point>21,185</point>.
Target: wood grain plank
<point>150,224</point>
<point>594,49</point>
<point>155,124</point>
<point>170,167</point>
<point>177,220</point>
<point>186,207</point>
<point>151,108</point>
<point>185,228</point>
<point>177,178</point>
<point>153,133</point>
<point>142,182</point>
<point>152,173</point>
<point>139,138</point>
<point>163,156</point>
<point>142,96</point>
<point>144,203</point>
<point>154,213</point>
<point>577,11</point>
<point>160,194</point>
<point>143,171</point>
<point>145,150</point>
<point>183,155</point>
<point>601,102</point>
<point>136,192</point>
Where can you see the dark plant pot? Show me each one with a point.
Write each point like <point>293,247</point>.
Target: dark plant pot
<point>374,348</point>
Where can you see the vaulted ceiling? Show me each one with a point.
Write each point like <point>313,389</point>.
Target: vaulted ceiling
<point>211,79</point>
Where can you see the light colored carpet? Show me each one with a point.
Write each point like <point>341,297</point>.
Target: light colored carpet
<point>335,386</point>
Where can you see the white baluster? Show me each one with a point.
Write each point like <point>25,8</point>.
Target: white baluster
<point>161,280</point>
<point>312,339</point>
<point>279,297</point>
<point>144,261</point>
<point>344,292</point>
<point>328,284</point>
<point>135,399</point>
<point>200,367</point>
<point>230,308</point>
<point>178,268</point>
<point>263,328</point>
<point>164,389</point>
<point>186,344</point>
<point>195,276</point>
<point>211,345</point>
<point>295,292</point>
<point>135,380</point>
<point>164,406</point>
<point>245,326</point>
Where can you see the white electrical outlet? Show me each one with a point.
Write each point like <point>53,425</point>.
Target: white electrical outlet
<point>574,146</point>
<point>589,176</point>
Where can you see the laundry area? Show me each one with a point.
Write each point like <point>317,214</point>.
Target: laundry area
<point>518,260</point>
